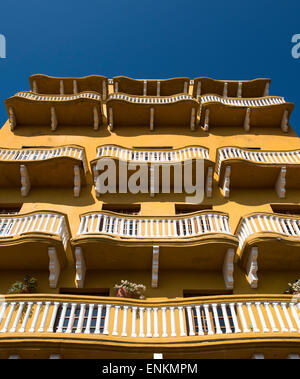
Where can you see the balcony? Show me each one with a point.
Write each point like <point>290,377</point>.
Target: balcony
<point>198,241</point>
<point>198,326</point>
<point>45,84</point>
<point>268,111</point>
<point>246,168</point>
<point>63,166</point>
<point>231,88</point>
<point>30,109</point>
<point>151,87</point>
<point>268,241</point>
<point>158,157</point>
<point>36,240</point>
<point>176,111</point>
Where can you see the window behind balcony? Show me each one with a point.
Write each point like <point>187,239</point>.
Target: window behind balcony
<point>75,320</point>
<point>203,316</point>
<point>10,209</point>
<point>288,209</point>
<point>130,209</point>
<point>189,208</point>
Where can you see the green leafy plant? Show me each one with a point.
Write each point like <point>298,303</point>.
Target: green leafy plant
<point>28,285</point>
<point>293,288</point>
<point>128,289</point>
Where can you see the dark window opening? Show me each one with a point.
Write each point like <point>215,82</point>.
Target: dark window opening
<point>206,318</point>
<point>85,291</point>
<point>10,208</point>
<point>189,208</point>
<point>132,209</point>
<point>289,209</point>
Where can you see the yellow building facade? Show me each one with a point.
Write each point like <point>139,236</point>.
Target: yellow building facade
<point>215,271</point>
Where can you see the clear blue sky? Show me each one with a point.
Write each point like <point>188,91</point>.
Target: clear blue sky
<point>151,39</point>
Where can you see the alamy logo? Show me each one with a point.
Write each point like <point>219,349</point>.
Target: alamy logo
<point>2,46</point>
<point>296,48</point>
<point>186,177</point>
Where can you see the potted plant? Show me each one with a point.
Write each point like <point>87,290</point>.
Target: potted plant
<point>293,288</point>
<point>128,289</point>
<point>28,285</point>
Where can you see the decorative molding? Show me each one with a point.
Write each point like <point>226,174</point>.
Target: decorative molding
<point>80,267</point>
<point>54,267</point>
<point>280,183</point>
<point>252,267</point>
<point>258,356</point>
<point>25,181</point>
<point>150,100</point>
<point>155,266</point>
<point>228,268</point>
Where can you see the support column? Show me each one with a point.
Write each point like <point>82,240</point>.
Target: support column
<point>209,181</point>
<point>80,267</point>
<point>12,118</point>
<point>228,268</point>
<point>193,119</point>
<point>252,267</point>
<point>247,120</point>
<point>25,180</point>
<point>75,87</point>
<point>77,181</point>
<point>151,118</point>
<point>280,183</point>
<point>206,120</point>
<point>155,266</point>
<point>54,267</point>
<point>111,118</point>
<point>226,183</point>
<point>96,118</point>
<point>285,121</point>
<point>53,119</point>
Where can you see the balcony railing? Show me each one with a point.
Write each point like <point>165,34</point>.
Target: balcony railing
<point>37,166</point>
<point>247,168</point>
<point>271,111</point>
<point>211,320</point>
<point>45,84</point>
<point>150,227</point>
<point>231,88</point>
<point>141,155</point>
<point>178,110</point>
<point>150,243</point>
<point>23,239</point>
<point>28,108</point>
<point>151,87</point>
<point>159,157</point>
<point>272,240</point>
<point>264,157</point>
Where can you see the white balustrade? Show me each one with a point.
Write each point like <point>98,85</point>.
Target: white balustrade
<point>150,100</point>
<point>33,154</point>
<point>257,223</point>
<point>124,227</point>
<point>265,157</point>
<point>242,102</point>
<point>188,321</point>
<point>191,152</point>
<point>83,95</point>
<point>42,222</point>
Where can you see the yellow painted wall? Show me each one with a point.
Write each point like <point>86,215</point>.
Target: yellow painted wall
<point>171,283</point>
